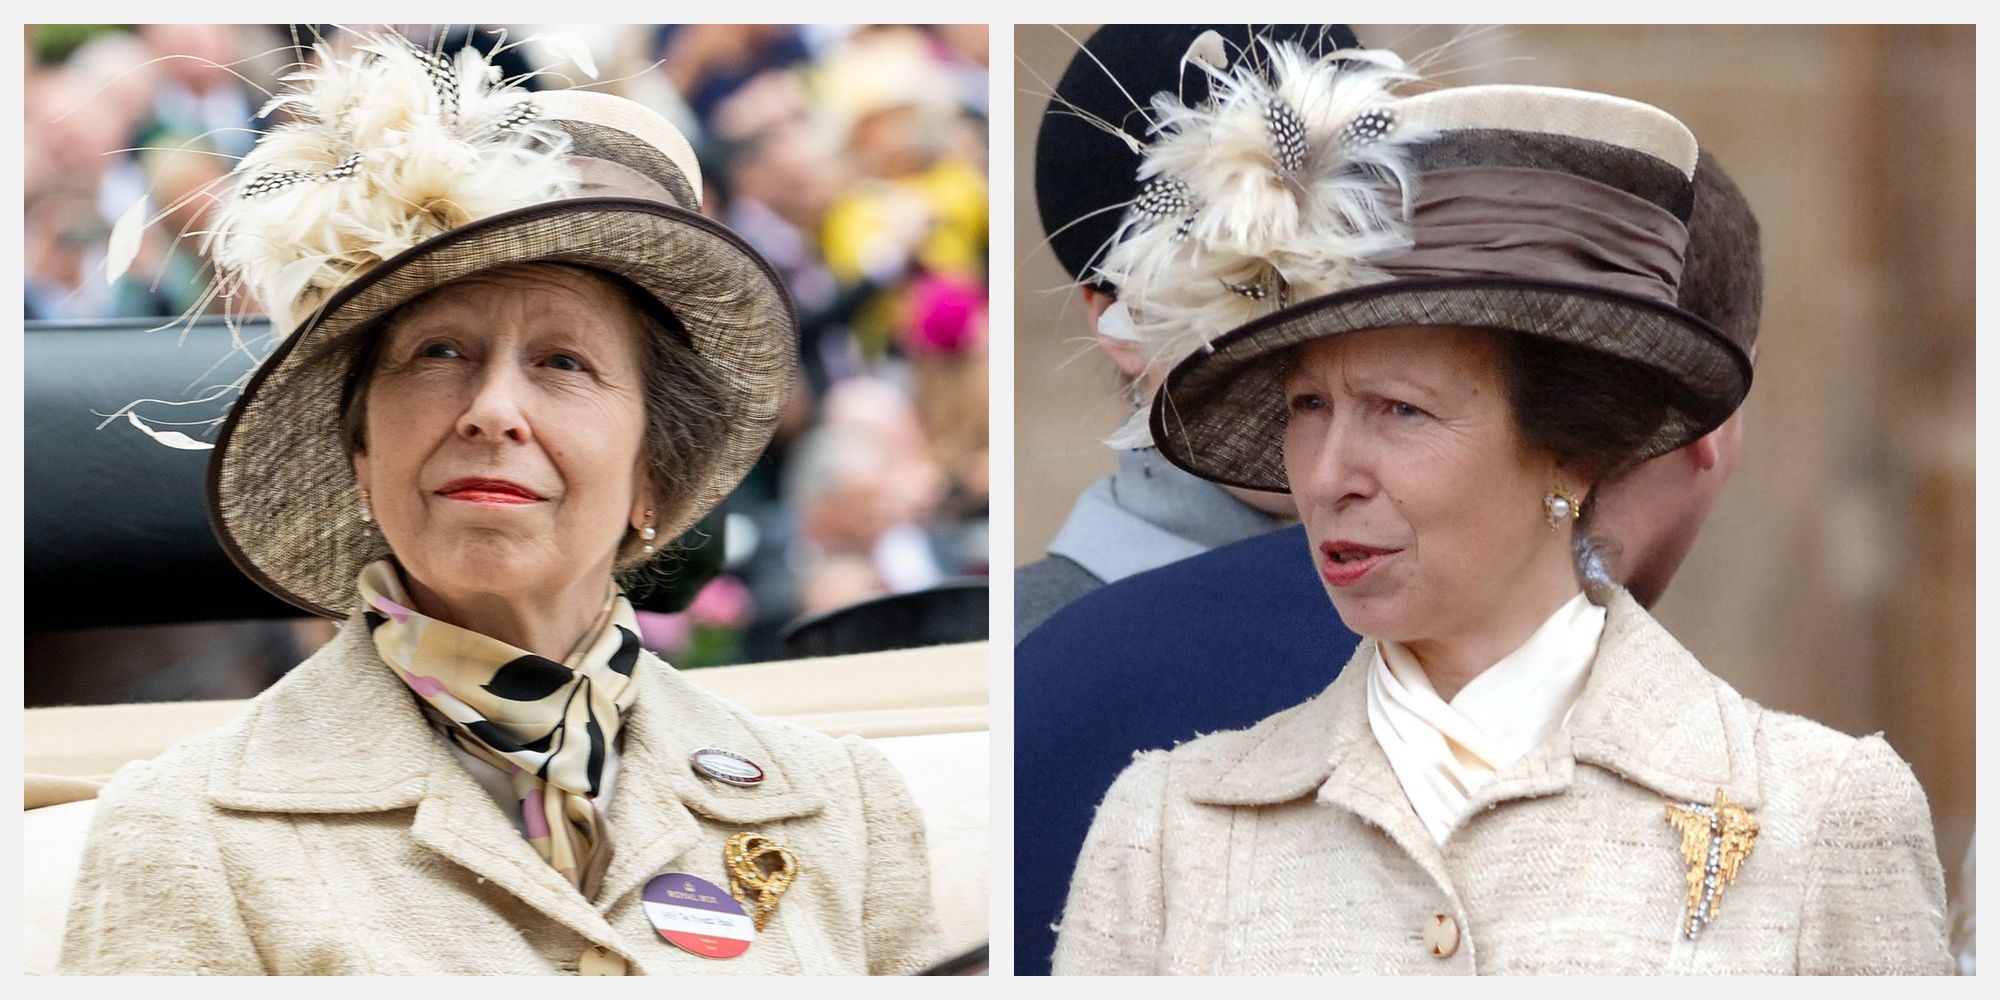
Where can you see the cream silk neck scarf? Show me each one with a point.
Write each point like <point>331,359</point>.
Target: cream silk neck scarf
<point>552,727</point>
<point>1443,752</point>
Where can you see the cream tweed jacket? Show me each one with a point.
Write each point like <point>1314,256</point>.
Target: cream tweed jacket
<point>1289,847</point>
<point>327,830</point>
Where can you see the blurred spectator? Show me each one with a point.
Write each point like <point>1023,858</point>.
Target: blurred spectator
<point>63,242</point>
<point>914,201</point>
<point>197,93</point>
<point>781,183</point>
<point>945,336</point>
<point>171,276</point>
<point>707,62</point>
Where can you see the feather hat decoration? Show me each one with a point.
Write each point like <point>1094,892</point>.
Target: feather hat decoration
<point>387,147</point>
<point>1282,185</point>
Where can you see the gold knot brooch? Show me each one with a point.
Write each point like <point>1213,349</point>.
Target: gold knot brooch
<point>1715,840</point>
<point>760,870</point>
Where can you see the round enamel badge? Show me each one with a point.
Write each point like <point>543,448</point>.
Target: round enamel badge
<point>695,915</point>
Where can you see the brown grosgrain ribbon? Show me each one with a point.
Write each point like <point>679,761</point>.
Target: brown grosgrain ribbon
<point>1540,224</point>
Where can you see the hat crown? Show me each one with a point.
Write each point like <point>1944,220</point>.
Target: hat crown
<point>1575,114</point>
<point>655,147</point>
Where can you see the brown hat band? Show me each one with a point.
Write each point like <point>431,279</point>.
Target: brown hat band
<point>1539,224</point>
<point>599,178</point>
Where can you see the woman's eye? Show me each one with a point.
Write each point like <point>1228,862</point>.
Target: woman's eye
<point>565,362</point>
<point>437,349</point>
<point>1403,409</point>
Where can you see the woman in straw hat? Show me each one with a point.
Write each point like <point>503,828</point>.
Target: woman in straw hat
<point>1455,318</point>
<point>522,361</point>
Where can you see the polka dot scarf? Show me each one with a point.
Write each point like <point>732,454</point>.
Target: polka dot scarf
<point>550,726</point>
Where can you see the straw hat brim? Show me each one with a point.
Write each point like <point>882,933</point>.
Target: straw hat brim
<point>281,490</point>
<point>1221,413</point>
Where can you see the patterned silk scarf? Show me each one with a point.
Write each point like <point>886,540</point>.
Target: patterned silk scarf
<point>550,726</point>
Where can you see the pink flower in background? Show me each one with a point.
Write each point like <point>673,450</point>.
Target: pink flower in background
<point>663,632</point>
<point>944,315</point>
<point>725,601</point>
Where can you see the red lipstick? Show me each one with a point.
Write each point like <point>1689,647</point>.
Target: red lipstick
<point>1343,563</point>
<point>490,491</point>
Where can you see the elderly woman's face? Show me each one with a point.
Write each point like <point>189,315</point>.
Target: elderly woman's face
<point>503,432</point>
<point>1421,502</point>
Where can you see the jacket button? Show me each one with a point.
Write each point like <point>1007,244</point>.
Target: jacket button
<point>1441,935</point>
<point>598,960</point>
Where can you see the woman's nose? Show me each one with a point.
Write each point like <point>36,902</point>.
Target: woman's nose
<point>1340,466</point>
<point>497,410</point>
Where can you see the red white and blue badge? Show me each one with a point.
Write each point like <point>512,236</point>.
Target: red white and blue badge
<point>694,915</point>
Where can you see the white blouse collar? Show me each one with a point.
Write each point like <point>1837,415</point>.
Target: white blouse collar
<point>1443,752</point>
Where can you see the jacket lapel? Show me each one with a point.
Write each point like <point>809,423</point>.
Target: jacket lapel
<point>341,734</point>
<point>1654,716</point>
<point>460,822</point>
<point>1322,748</point>
<point>660,797</point>
<point>1650,713</point>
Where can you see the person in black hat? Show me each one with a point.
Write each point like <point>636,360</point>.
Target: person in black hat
<point>1149,513</point>
<point>1520,771</point>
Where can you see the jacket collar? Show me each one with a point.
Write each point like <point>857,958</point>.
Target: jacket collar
<point>1649,713</point>
<point>342,734</point>
<point>1653,715</point>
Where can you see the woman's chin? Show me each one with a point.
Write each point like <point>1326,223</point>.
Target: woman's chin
<point>1374,617</point>
<point>479,566</point>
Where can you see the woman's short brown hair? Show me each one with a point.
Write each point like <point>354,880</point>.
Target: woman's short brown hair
<point>1592,412</point>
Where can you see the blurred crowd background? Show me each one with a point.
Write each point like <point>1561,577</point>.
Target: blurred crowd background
<point>853,158</point>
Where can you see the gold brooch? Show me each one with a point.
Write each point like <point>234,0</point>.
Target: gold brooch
<point>1715,839</point>
<point>760,870</point>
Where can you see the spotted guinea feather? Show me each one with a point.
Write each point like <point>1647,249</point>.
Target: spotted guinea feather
<point>1288,181</point>
<point>386,147</point>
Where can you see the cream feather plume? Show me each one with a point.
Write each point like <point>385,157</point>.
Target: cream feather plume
<point>388,147</point>
<point>1282,186</point>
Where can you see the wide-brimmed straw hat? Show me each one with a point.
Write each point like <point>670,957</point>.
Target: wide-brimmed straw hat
<point>406,170</point>
<point>1544,212</point>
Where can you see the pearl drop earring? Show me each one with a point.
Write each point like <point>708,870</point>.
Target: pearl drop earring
<point>367,512</point>
<point>647,534</point>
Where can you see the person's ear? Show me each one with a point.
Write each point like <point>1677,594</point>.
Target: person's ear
<point>1123,353</point>
<point>1704,451</point>
<point>644,510</point>
<point>1117,344</point>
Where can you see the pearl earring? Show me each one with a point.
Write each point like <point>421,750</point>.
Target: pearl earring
<point>367,512</point>
<point>647,534</point>
<point>1561,505</point>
